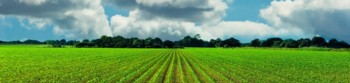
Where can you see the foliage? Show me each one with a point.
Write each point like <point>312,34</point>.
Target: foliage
<point>168,44</point>
<point>273,42</point>
<point>195,41</point>
<point>255,43</point>
<point>318,42</point>
<point>289,43</point>
<point>231,42</point>
<point>304,42</point>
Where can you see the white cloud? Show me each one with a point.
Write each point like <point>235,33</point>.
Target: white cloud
<point>87,23</point>
<point>327,18</point>
<point>32,23</point>
<point>71,18</point>
<point>173,30</point>
<point>241,28</point>
<point>163,28</point>
<point>174,19</point>
<point>167,19</point>
<point>32,2</point>
<point>5,22</point>
<point>247,30</point>
<point>197,11</point>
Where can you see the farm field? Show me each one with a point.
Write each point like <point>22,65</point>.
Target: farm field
<point>40,64</point>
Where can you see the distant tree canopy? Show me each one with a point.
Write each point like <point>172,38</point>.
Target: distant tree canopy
<point>272,42</point>
<point>255,43</point>
<point>318,42</point>
<point>168,44</point>
<point>231,42</point>
<point>215,43</point>
<point>290,43</point>
<point>304,42</point>
<point>59,43</point>
<point>195,41</point>
<point>187,41</point>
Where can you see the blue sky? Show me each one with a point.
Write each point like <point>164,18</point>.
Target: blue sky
<point>11,29</point>
<point>243,19</point>
<point>242,10</point>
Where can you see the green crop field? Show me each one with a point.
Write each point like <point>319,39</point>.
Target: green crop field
<point>41,64</point>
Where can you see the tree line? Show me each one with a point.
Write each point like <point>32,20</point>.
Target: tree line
<point>188,41</point>
<point>122,42</point>
<point>303,42</point>
<point>51,43</point>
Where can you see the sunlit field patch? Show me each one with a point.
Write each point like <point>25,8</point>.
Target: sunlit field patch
<point>41,64</point>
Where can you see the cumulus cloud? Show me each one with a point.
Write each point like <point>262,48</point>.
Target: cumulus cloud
<point>71,18</point>
<point>174,19</point>
<point>248,30</point>
<point>197,11</point>
<point>167,29</point>
<point>327,18</point>
<point>163,28</point>
<point>167,19</point>
<point>32,2</point>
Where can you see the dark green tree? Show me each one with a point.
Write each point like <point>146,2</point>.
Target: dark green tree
<point>149,43</point>
<point>255,43</point>
<point>119,42</point>
<point>231,42</point>
<point>289,43</point>
<point>54,43</point>
<point>137,43</point>
<point>333,43</point>
<point>318,42</point>
<point>214,43</point>
<point>343,44</point>
<point>71,42</point>
<point>273,42</point>
<point>304,42</point>
<point>63,41</point>
<point>104,41</point>
<point>168,44</point>
<point>50,43</point>
<point>29,41</point>
<point>211,43</point>
<point>157,43</point>
<point>188,41</point>
<point>218,42</point>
